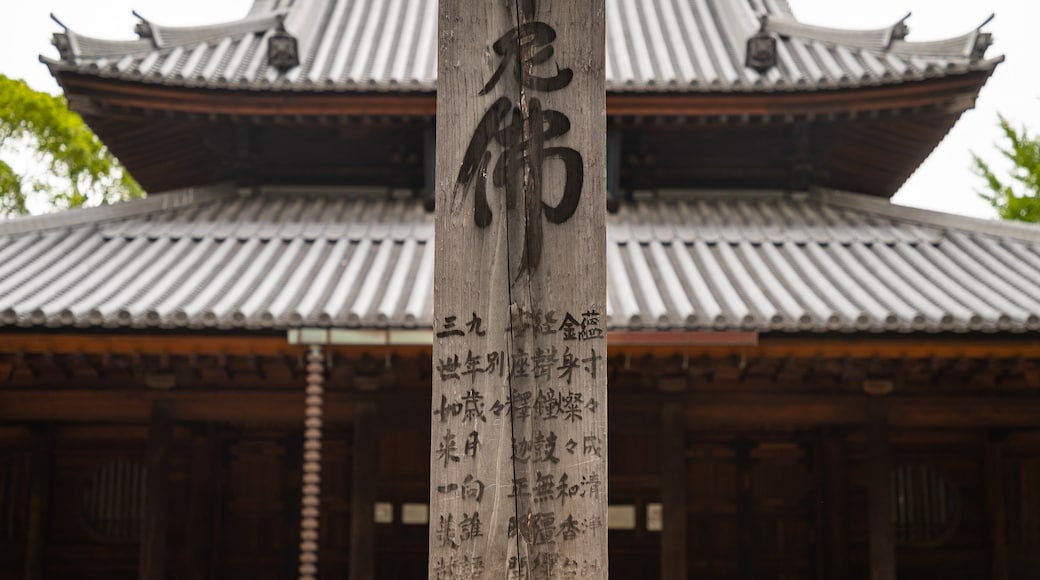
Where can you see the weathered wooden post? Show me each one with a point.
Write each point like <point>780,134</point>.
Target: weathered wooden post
<point>153,547</point>
<point>519,456</point>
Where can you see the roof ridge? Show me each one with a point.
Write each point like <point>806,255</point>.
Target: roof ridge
<point>72,45</point>
<point>926,217</point>
<point>875,38</point>
<point>122,210</point>
<point>971,45</point>
<point>172,36</point>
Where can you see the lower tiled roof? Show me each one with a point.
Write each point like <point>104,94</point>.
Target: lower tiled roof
<point>818,262</point>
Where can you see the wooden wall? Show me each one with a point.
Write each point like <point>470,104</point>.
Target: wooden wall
<point>778,491</point>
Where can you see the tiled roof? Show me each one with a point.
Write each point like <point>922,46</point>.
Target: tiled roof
<point>652,45</point>
<point>769,262</point>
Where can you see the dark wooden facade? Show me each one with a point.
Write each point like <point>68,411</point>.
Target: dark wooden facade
<point>761,461</point>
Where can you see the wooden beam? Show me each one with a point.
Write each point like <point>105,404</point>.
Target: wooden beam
<point>148,343</point>
<point>993,463</point>
<point>363,492</point>
<point>39,503</point>
<point>837,347</point>
<point>673,492</point>
<point>709,410</point>
<point>963,411</point>
<point>701,410</point>
<point>722,410</point>
<point>630,343</point>
<point>879,493</point>
<point>153,559</point>
<point>135,406</point>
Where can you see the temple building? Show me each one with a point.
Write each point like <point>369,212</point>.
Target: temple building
<point>805,380</point>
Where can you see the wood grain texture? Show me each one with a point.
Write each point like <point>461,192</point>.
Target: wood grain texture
<point>835,493</point>
<point>42,446</point>
<point>157,483</point>
<point>879,494</point>
<point>202,488</point>
<point>521,131</point>
<point>364,484</point>
<point>673,492</point>
<point>631,343</point>
<point>993,464</point>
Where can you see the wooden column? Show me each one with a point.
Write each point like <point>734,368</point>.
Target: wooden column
<point>995,507</point>
<point>152,564</point>
<point>835,508</point>
<point>673,492</point>
<point>518,458</point>
<point>747,534</point>
<point>39,503</point>
<point>363,493</point>
<point>202,493</point>
<point>879,492</point>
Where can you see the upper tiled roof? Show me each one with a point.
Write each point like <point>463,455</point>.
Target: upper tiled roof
<point>727,261</point>
<point>652,45</point>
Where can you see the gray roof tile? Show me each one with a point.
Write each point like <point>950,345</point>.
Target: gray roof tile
<point>652,45</point>
<point>212,258</point>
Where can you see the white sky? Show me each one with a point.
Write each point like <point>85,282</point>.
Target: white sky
<point>945,182</point>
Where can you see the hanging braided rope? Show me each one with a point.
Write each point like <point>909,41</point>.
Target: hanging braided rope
<point>311,493</point>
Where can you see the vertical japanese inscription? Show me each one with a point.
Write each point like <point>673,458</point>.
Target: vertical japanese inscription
<point>518,441</point>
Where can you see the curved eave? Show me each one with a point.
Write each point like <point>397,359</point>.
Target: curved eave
<point>283,85</point>
<point>108,92</point>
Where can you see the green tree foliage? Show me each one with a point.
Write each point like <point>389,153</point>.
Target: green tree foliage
<point>76,167</point>
<point>1018,196</point>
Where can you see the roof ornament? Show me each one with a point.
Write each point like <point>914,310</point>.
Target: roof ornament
<point>61,41</point>
<point>761,47</point>
<point>143,29</point>
<point>981,42</point>
<point>282,48</point>
<point>899,31</point>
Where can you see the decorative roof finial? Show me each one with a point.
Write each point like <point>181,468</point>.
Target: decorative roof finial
<point>761,47</point>
<point>143,29</point>
<point>900,30</point>
<point>981,42</point>
<point>59,22</point>
<point>282,48</point>
<point>61,41</point>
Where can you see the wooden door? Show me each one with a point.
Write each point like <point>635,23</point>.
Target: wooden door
<point>751,509</point>
<point>97,503</point>
<point>259,527</point>
<point>634,489</point>
<point>1021,483</point>
<point>16,468</point>
<point>401,546</point>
